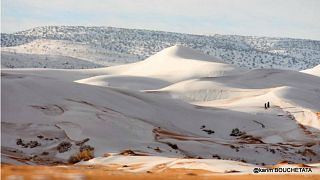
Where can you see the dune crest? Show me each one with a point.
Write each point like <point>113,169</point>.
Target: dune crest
<point>176,104</point>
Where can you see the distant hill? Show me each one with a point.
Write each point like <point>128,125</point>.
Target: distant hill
<point>118,45</point>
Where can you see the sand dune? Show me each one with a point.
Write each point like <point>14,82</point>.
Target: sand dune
<point>313,71</point>
<point>170,65</point>
<point>175,104</point>
<point>175,64</point>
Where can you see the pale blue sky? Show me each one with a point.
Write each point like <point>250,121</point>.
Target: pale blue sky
<point>277,18</point>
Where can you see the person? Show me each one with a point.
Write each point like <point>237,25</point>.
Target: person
<point>265,105</point>
<point>268,104</point>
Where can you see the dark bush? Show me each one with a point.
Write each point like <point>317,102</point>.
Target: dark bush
<point>236,132</point>
<point>86,148</point>
<point>19,142</point>
<point>33,144</point>
<point>45,153</point>
<point>209,131</point>
<point>64,146</point>
<point>82,155</point>
<point>173,146</point>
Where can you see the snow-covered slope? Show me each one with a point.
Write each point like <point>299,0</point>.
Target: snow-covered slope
<point>85,52</point>
<point>313,71</point>
<point>289,91</point>
<point>116,120</point>
<point>207,166</point>
<point>130,45</point>
<point>172,64</point>
<point>107,112</point>
<point>22,60</point>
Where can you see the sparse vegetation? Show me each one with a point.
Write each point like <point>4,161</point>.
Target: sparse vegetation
<point>272,151</point>
<point>33,144</point>
<point>234,147</point>
<point>216,156</point>
<point>173,146</point>
<point>157,149</point>
<point>82,155</point>
<point>251,52</point>
<point>86,148</point>
<point>19,142</point>
<point>64,146</point>
<point>45,153</point>
<point>85,153</point>
<point>236,132</point>
<point>209,131</point>
<point>30,144</point>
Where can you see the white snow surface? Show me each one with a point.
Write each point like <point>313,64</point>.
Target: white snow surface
<point>313,71</point>
<point>48,48</point>
<point>150,163</point>
<point>186,109</point>
<point>110,45</point>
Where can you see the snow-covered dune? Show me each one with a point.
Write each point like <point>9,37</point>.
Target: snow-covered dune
<point>250,83</point>
<point>222,115</point>
<point>313,71</point>
<point>173,64</point>
<point>125,81</point>
<point>115,119</point>
<point>247,92</point>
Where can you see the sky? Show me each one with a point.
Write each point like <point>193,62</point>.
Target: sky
<point>274,18</point>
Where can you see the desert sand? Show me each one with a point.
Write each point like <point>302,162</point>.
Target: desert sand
<point>103,172</point>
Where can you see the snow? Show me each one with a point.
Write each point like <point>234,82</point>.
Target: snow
<point>22,60</point>
<point>152,163</point>
<point>159,110</point>
<point>313,71</point>
<point>61,48</point>
<point>111,46</point>
<point>182,62</point>
<point>125,82</point>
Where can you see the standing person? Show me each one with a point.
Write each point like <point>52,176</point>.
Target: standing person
<point>268,104</point>
<point>265,105</point>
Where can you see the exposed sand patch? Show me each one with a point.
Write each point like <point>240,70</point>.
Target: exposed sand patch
<point>109,172</point>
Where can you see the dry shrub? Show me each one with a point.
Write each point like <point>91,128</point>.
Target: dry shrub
<point>84,155</point>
